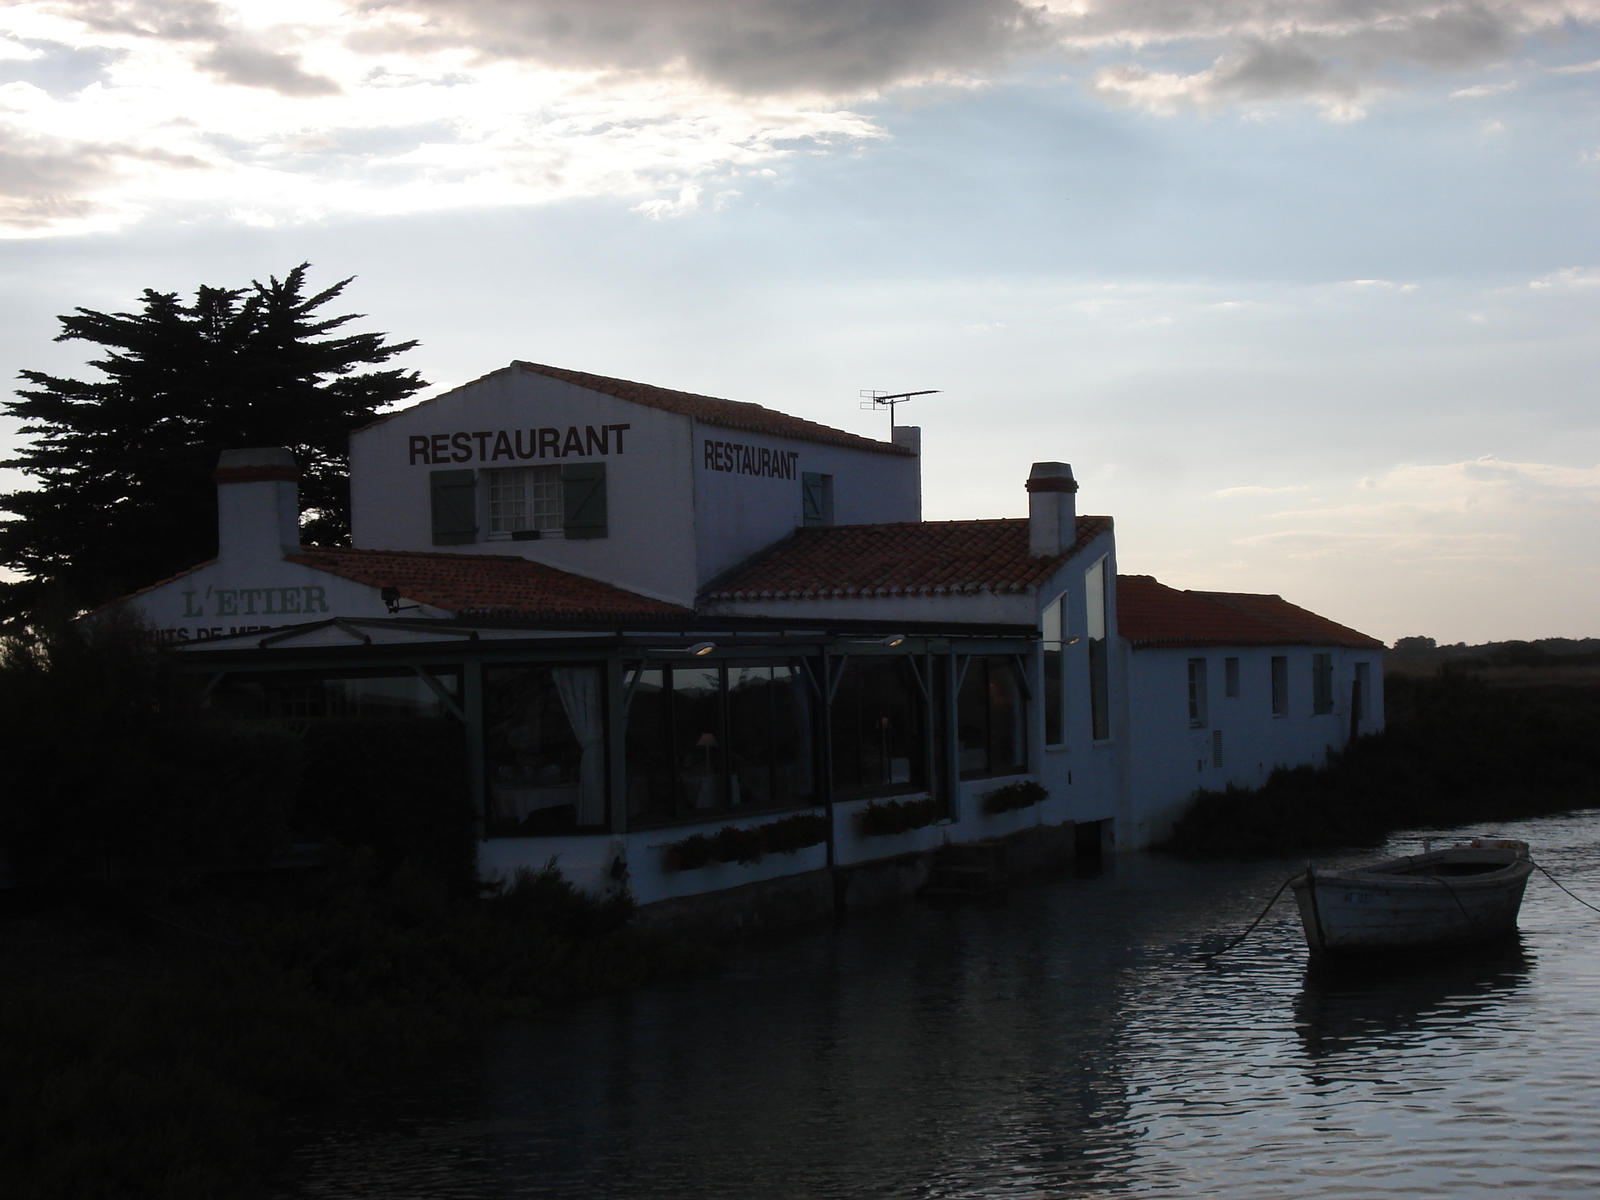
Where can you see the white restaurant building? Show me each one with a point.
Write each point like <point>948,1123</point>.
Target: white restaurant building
<point>659,614</point>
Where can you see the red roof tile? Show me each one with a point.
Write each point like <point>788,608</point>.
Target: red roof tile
<point>910,558</point>
<point>730,414</point>
<point>1151,614</point>
<point>483,584</point>
<point>709,410</point>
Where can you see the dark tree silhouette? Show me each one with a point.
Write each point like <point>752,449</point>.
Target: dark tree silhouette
<point>123,494</point>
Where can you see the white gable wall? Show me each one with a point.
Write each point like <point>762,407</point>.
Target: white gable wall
<point>1080,773</point>
<point>1171,760</point>
<point>240,595</point>
<point>685,500</point>
<point>649,547</point>
<point>748,490</point>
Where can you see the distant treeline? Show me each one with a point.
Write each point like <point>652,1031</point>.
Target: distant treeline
<point>1456,751</point>
<point>1542,652</point>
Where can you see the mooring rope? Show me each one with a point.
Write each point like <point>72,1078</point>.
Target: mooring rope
<point>1564,887</point>
<point>1470,921</point>
<point>1259,918</point>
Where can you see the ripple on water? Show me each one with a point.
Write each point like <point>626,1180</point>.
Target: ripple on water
<point>1058,1041</point>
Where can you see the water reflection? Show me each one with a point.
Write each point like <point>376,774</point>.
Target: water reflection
<point>1400,1001</point>
<point>1055,1040</point>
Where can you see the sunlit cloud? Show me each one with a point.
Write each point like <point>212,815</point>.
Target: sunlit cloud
<point>301,109</point>
<point>1482,510</point>
<point>1263,491</point>
<point>1568,277</point>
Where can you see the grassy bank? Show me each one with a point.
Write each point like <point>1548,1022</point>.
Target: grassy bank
<point>1455,751</point>
<point>154,1041</point>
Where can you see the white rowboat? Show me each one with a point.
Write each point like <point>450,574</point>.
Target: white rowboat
<point>1468,892</point>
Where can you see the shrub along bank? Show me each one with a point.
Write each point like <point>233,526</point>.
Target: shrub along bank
<point>1454,751</point>
<point>158,1025</point>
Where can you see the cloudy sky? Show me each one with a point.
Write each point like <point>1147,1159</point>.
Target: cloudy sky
<point>1305,290</point>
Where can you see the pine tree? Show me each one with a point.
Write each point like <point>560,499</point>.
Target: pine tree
<point>123,495</point>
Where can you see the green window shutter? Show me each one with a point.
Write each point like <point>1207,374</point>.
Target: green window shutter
<point>816,498</point>
<point>453,496</point>
<point>583,500</point>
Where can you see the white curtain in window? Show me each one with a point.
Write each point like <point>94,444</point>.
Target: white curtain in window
<point>579,689</point>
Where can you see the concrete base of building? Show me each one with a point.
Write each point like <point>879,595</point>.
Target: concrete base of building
<point>813,895</point>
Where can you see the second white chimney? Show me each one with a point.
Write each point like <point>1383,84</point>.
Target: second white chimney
<point>1052,509</point>
<point>258,505</point>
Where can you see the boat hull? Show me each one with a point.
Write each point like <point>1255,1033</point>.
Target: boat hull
<point>1414,903</point>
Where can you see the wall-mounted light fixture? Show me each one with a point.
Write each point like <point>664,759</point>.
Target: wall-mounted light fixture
<point>894,639</point>
<point>696,650</point>
<point>391,600</point>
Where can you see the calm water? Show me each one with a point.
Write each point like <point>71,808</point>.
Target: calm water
<point>1055,1041</point>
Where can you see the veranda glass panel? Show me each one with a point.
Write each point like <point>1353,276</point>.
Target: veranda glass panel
<point>649,748</point>
<point>990,719</point>
<point>706,738</point>
<point>879,729</point>
<point>544,749</point>
<point>698,738</point>
<point>769,736</point>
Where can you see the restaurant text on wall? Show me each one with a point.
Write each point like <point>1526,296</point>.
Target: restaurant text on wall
<point>251,602</point>
<point>739,459</point>
<point>492,445</point>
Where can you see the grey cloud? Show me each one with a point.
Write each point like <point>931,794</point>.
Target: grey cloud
<point>753,47</point>
<point>201,22</point>
<point>1269,70</point>
<point>251,66</point>
<point>1330,51</point>
<point>44,181</point>
<point>167,20</point>
<point>1264,49</point>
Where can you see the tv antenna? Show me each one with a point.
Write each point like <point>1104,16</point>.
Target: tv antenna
<point>875,399</point>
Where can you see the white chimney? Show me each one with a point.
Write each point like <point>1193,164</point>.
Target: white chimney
<point>1052,509</point>
<point>258,505</point>
<point>908,437</point>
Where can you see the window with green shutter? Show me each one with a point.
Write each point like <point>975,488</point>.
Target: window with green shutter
<point>583,496</point>
<point>816,498</point>
<point>454,501</point>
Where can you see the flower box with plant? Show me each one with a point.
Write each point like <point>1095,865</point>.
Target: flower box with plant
<point>732,844</point>
<point>898,816</point>
<point>1014,796</point>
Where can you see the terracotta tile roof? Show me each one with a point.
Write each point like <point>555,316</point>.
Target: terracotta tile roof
<point>729,414</point>
<point>483,584</point>
<point>709,410</point>
<point>910,558</point>
<point>1151,614</point>
<point>160,583</point>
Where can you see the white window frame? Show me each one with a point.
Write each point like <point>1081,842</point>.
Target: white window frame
<point>544,514</point>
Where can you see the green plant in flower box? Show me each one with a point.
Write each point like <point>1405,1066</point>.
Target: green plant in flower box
<point>690,854</point>
<point>732,844</point>
<point>1014,796</point>
<point>795,833</point>
<point>898,816</point>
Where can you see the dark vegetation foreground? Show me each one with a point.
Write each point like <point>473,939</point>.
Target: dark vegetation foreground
<point>1456,751</point>
<point>169,997</point>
